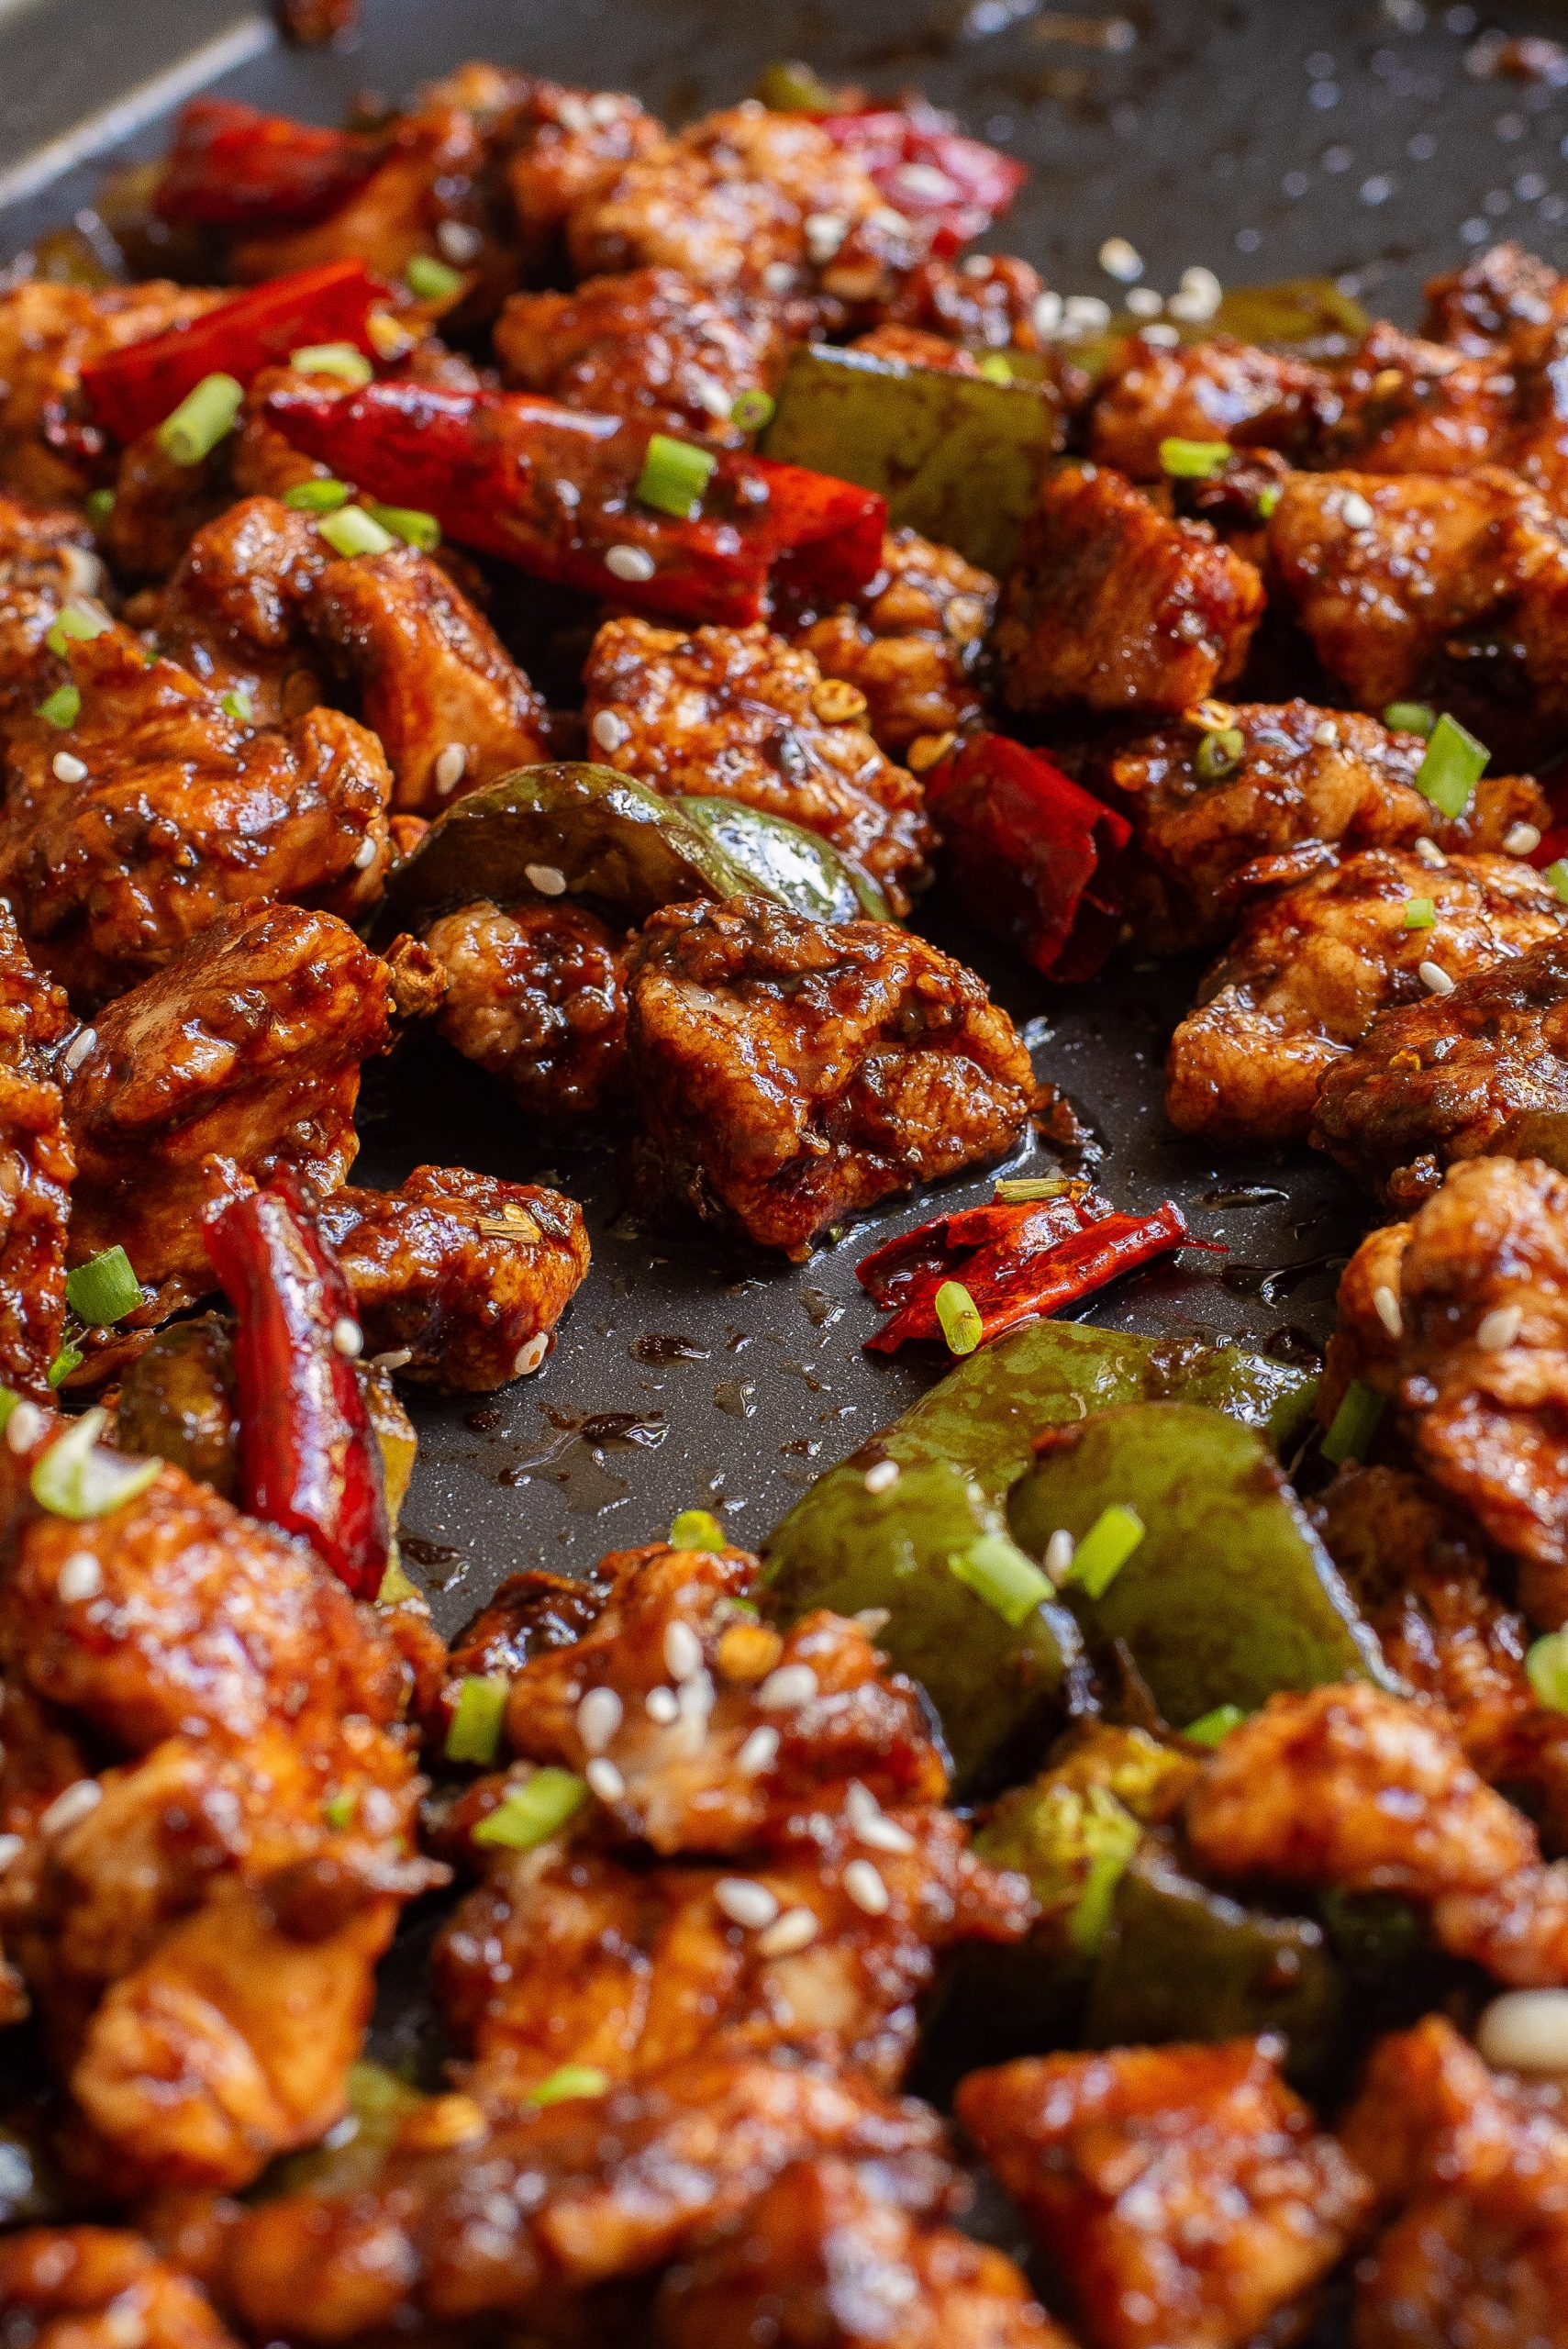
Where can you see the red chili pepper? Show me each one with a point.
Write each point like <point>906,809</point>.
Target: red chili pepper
<point>136,388</point>
<point>233,167</point>
<point>553,490</point>
<point>1016,1260</point>
<point>308,1460</point>
<point>1026,849</point>
<point>1553,843</point>
<point>930,172</point>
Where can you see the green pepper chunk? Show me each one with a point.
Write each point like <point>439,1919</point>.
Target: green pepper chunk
<point>1290,312</point>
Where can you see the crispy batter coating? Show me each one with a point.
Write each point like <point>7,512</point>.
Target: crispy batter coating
<point>984,301</point>
<point>530,1612</point>
<point>736,713</point>
<point>47,557</point>
<point>37,1166</point>
<point>243,1054</point>
<point>1113,608</point>
<point>94,2287</point>
<point>910,642</point>
<point>463,1273</point>
<point>1422,408</point>
<point>790,1073</point>
<point>564,145</point>
<point>1182,2191</point>
<point>49,446</point>
<point>1504,296</point>
<point>231,613</point>
<point>536,994</point>
<point>1309,970</point>
<point>1220,390</point>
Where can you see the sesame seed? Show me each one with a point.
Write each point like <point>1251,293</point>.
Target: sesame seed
<point>882,1475</point>
<point>796,1929</point>
<point>1525,2031</point>
<point>1326,734</point>
<point>609,728</point>
<point>458,242</point>
<point>1355,512</point>
<point>598,1718</point>
<point>604,1779</point>
<point>9,1847</point>
<point>396,1358</point>
<point>662,1705</point>
<point>548,879</point>
<point>1045,315</point>
<point>924,180</point>
<point>348,1338</point>
<point>778,277</point>
<point>682,1651</point>
<point>745,1902</point>
<point>364,855</point>
<point>1197,297</point>
<point>1431,854</point>
<point>81,1577</point>
<point>1083,315</point>
<point>76,1052</point>
<point>865,1887</point>
<point>24,1425</point>
<point>572,112</point>
<point>696,1698</point>
<point>605,107</point>
<point>450,766</point>
<point>872,1619</point>
<point>83,570</point>
<point>1386,1305</point>
<point>83,1796</point>
<point>68,769</point>
<point>760,1752</point>
<point>1499,1328</point>
<point>1521,840</point>
<point>825,232</point>
<point>788,1685</point>
<point>1144,303</point>
<point>1434,978</point>
<point>1163,337</point>
<point>1059,1553</point>
<point>529,1357</point>
<point>1121,259</point>
<point>715,399</point>
<point>869,1824</point>
<point>898,224</point>
<point>632,562</point>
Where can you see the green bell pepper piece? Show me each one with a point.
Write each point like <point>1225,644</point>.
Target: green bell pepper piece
<point>1230,1595</point>
<point>957,457</point>
<point>787,861</point>
<point>177,1403</point>
<point>1286,315</point>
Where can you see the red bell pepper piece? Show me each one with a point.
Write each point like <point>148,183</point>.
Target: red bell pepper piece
<point>309,1462</point>
<point>1017,1262</point>
<point>136,388</point>
<point>1026,849</point>
<point>553,490</point>
<point>233,167</point>
<point>930,172</point>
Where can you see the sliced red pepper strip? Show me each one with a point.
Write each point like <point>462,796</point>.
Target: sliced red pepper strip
<point>1027,851</point>
<point>134,388</point>
<point>233,167</point>
<point>553,490</point>
<point>910,156</point>
<point>309,1463</point>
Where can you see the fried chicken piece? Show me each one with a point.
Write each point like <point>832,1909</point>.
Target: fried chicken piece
<point>986,301</point>
<point>532,1612</point>
<point>94,2287</point>
<point>243,1054</point>
<point>823,2260</point>
<point>1220,390</point>
<point>909,642</point>
<point>791,1073</point>
<point>649,344</point>
<point>1111,607</point>
<point>556,2202</point>
<point>1182,2191</point>
<point>1504,295</point>
<point>47,558</point>
<point>1309,970</point>
<point>37,1168</point>
<point>913,347</point>
<point>536,994</point>
<point>1421,407</point>
<point>49,446</point>
<point>737,713</point>
<point>1477,1073</point>
<point>463,1275</point>
<point>565,145</point>
<point>232,612</point>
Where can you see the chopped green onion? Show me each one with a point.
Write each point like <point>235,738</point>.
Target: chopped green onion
<point>996,368</point>
<point>77,623</point>
<point>527,1813</point>
<point>406,522</point>
<point>1194,460</point>
<point>1211,1729</point>
<point>697,1528</point>
<point>751,410</point>
<point>203,418</point>
<point>1015,1188</point>
<point>1105,1550</point>
<point>1268,499</point>
<point>789,88</point>
<point>569,2081</point>
<point>1420,913</point>
<point>960,1318</point>
<point>1546,1663</point>
<point>1011,1585</point>
<point>353,531</point>
<point>339,358</point>
<point>1453,767</point>
<point>316,497</point>
<point>9,1399</point>
<point>395,1586</point>
<point>1354,1423</point>
<point>430,280</point>
<point>63,706</point>
<point>1557,873</point>
<point>104,1289</point>
<point>338,1810</point>
<point>68,1359</point>
<point>674,475</point>
<point>1220,753</point>
<point>100,506</point>
<point>76,1478</point>
<point>238,705</point>
<point>1411,717</point>
<point>473,1734</point>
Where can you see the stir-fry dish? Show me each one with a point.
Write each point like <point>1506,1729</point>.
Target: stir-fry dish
<point>583,593</point>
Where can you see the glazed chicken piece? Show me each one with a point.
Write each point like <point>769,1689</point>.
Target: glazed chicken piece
<point>910,642</point>
<point>1305,782</point>
<point>564,146</point>
<point>94,2287</point>
<point>791,1073</point>
<point>986,301</point>
<point>1481,1072</point>
<point>1220,390</point>
<point>649,344</point>
<point>1112,607</point>
<point>37,1166</point>
<point>738,714</point>
<point>536,994</point>
<point>232,612</point>
<point>241,1057</point>
<point>530,1613</point>
<point>823,2260</point>
<point>462,1275</point>
<point>548,2205</point>
<point>49,446</point>
<point>47,558</point>
<point>1183,2192</point>
<point>1471,1343</point>
<point>1309,969</point>
<point>1422,408</point>
<point>1504,295</point>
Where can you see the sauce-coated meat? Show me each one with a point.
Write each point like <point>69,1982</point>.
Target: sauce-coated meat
<point>37,1166</point>
<point>94,2287</point>
<point>562,146</point>
<point>50,448</point>
<point>536,994</point>
<point>911,641</point>
<point>1221,390</point>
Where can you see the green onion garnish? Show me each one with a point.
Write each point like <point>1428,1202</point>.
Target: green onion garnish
<point>527,1813</point>
<point>316,497</point>
<point>473,1734</point>
<point>1557,873</point>
<point>1454,765</point>
<point>1220,753</point>
<point>63,706</point>
<point>1105,1550</point>
<point>1268,499</point>
<point>674,475</point>
<point>996,368</point>
<point>76,1478</point>
<point>353,531</point>
<point>1354,1423</point>
<point>339,358</point>
<point>571,2080</point>
<point>789,88</point>
<point>395,1586</point>
<point>1420,913</point>
<point>960,1318</point>
<point>750,410</point>
<point>406,522</point>
<point>430,280</point>
<point>1411,717</point>
<point>1194,460</point>
<point>1015,1188</point>
<point>104,1289</point>
<point>1211,1729</point>
<point>697,1528</point>
<point>68,1359</point>
<point>1011,1585</point>
<point>1546,1663</point>
<point>237,703</point>
<point>78,623</point>
<point>338,1810</point>
<point>203,418</point>
<point>100,506</point>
